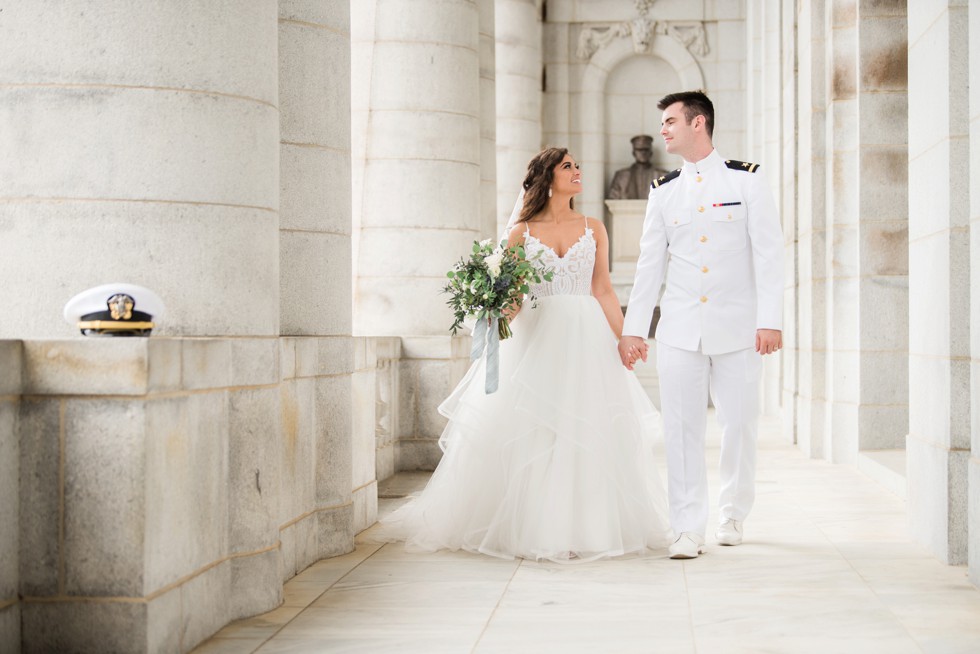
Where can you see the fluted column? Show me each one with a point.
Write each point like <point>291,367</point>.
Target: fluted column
<point>518,37</point>
<point>939,284</point>
<point>129,159</point>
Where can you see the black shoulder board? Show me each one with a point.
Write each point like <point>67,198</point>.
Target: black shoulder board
<point>742,165</point>
<point>663,179</point>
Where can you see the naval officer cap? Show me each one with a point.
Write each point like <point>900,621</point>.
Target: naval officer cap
<point>114,310</point>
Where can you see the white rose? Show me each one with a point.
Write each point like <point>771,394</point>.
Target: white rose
<point>494,262</point>
<point>485,242</point>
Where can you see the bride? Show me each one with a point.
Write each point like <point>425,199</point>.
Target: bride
<point>558,463</point>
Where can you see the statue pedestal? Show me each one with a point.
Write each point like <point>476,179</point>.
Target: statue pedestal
<point>625,229</point>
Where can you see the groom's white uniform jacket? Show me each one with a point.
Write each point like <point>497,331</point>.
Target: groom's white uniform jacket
<point>713,230</point>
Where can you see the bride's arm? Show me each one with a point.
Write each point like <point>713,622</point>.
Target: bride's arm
<point>516,237</point>
<point>602,288</point>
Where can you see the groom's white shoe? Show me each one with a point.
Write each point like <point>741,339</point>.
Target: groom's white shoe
<point>729,532</point>
<point>687,546</point>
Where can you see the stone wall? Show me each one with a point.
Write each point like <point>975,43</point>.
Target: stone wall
<point>375,419</point>
<point>168,486</point>
<point>429,370</point>
<point>10,385</point>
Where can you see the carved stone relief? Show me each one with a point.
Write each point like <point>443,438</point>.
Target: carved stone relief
<point>642,30</point>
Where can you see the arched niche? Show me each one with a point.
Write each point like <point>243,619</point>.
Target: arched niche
<point>633,89</point>
<point>592,104</point>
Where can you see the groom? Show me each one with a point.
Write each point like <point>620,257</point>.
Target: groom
<point>711,227</point>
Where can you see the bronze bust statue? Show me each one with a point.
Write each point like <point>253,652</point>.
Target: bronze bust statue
<point>633,183</point>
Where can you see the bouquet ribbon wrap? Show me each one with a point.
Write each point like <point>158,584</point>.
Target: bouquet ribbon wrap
<point>487,337</point>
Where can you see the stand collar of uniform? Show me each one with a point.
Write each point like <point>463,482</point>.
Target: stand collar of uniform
<point>712,160</point>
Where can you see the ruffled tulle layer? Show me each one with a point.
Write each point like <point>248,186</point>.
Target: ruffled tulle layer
<point>557,464</point>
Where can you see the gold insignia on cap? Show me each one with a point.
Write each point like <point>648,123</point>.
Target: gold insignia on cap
<point>121,306</point>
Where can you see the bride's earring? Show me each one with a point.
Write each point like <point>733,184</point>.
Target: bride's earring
<point>549,192</point>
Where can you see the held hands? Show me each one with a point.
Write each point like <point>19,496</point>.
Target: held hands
<point>632,348</point>
<point>767,341</point>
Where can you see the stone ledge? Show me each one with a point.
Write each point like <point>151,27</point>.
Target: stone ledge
<point>317,356</point>
<point>11,365</point>
<point>435,347</point>
<point>86,367</point>
<point>141,366</point>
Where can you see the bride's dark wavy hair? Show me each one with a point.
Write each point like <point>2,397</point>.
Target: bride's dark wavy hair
<point>537,182</point>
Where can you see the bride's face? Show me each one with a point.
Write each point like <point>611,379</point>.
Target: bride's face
<point>567,178</point>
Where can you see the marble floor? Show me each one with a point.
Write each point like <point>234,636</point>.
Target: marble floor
<point>827,567</point>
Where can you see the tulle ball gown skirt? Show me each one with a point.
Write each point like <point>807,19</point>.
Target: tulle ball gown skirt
<point>558,464</point>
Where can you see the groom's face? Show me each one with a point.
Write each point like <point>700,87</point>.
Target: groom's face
<point>678,134</point>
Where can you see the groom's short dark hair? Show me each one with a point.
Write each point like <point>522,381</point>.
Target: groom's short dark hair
<point>696,103</point>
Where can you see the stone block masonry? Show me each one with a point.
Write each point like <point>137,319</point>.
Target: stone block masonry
<point>166,486</point>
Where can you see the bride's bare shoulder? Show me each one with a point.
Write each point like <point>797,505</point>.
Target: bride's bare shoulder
<point>516,234</point>
<point>596,225</point>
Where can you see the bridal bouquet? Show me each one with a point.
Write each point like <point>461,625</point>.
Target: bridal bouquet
<point>485,285</point>
<point>489,282</point>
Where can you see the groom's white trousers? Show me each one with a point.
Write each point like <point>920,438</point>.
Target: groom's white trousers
<point>685,380</point>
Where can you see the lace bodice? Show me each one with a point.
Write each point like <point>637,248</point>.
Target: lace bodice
<point>572,272</point>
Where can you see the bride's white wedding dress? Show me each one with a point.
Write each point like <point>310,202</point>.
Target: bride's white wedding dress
<point>557,464</point>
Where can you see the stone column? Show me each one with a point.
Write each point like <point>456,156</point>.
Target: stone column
<point>862,324</point>
<point>843,340</point>
<point>939,284</point>
<point>811,188</point>
<point>765,104</point>
<point>421,181</point>
<point>974,463</point>
<point>129,159</point>
<point>488,120</point>
<point>882,246</point>
<point>419,194</point>
<point>518,41</point>
<point>788,390</point>
<point>755,87</point>
<point>772,160</point>
<point>319,503</point>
